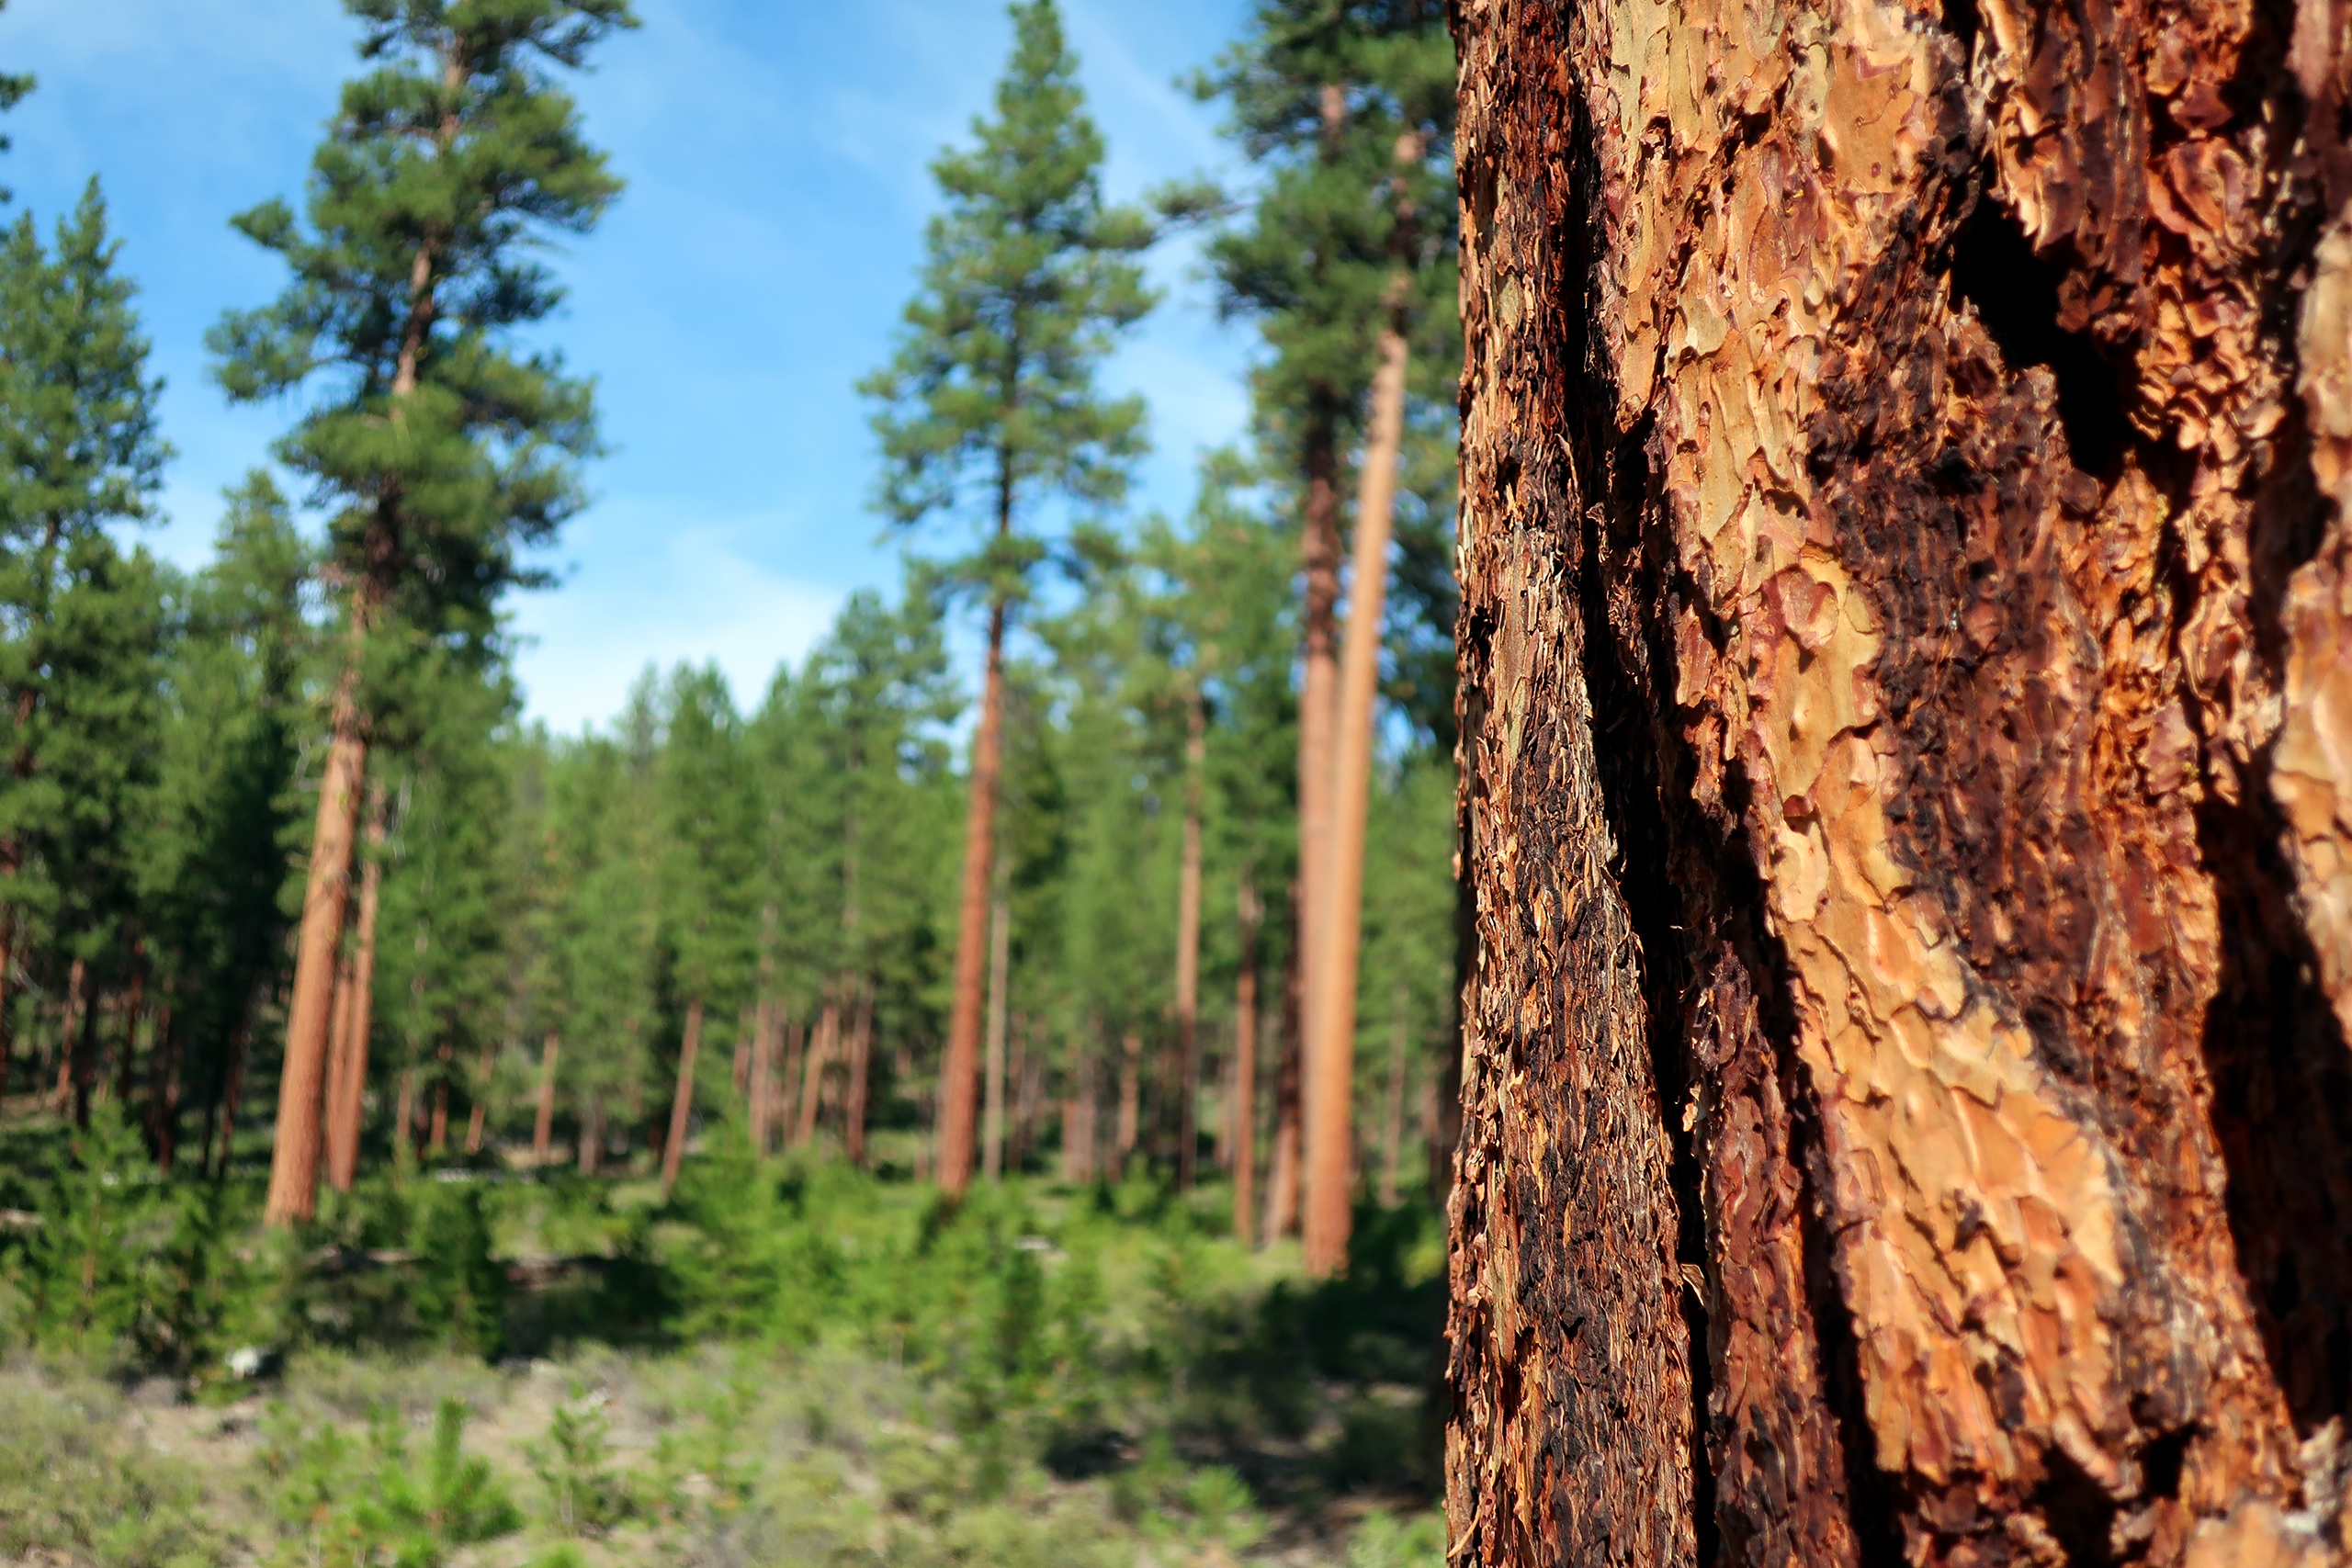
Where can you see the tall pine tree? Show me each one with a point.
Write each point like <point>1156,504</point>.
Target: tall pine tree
<point>990,408</point>
<point>444,450</point>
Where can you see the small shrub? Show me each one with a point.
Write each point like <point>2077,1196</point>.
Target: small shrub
<point>574,1463</point>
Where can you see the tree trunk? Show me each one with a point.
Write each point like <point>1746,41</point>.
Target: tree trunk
<point>788,1111</point>
<point>70,1028</point>
<point>959,1073</point>
<point>163,1090</point>
<point>860,1046</point>
<point>126,1062</point>
<point>591,1135</point>
<point>293,1161</point>
<point>346,1110</point>
<point>437,1139</point>
<point>543,1127</point>
<point>404,1117</point>
<point>1338,923</point>
<point>1907,1110</point>
<point>338,1067</point>
<point>478,1117</point>
<point>812,1072</point>
<point>1000,954</point>
<point>682,1104</point>
<point>743,1064</point>
<point>232,1092</point>
<point>1283,1158</point>
<point>1244,1156</point>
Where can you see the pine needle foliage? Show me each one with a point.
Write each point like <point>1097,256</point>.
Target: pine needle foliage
<point>991,404</point>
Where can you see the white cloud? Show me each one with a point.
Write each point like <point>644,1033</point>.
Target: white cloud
<point>700,594</point>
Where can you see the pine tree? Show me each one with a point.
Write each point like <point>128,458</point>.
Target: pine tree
<point>990,408</point>
<point>1347,104</point>
<point>444,451</point>
<point>81,454</point>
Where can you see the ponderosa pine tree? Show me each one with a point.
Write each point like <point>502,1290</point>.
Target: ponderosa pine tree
<point>990,408</point>
<point>82,455</point>
<point>443,451</point>
<point>1324,95</point>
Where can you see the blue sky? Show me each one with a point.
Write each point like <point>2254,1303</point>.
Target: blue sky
<point>777,158</point>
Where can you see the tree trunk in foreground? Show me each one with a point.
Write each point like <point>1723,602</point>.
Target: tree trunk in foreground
<point>682,1103</point>
<point>1283,1157</point>
<point>1907,1116</point>
<point>543,1125</point>
<point>960,1073</point>
<point>1245,1070</point>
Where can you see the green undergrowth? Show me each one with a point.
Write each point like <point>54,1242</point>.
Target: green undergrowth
<point>781,1363</point>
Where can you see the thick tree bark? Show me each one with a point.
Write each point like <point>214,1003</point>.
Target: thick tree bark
<point>1187,936</point>
<point>1078,1135</point>
<point>682,1103</point>
<point>960,1073</point>
<point>1907,1105</point>
<point>543,1125</point>
<point>1000,956</point>
<point>1244,1158</point>
<point>405,1116</point>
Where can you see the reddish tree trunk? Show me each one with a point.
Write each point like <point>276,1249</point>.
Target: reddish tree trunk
<point>819,1053</point>
<point>478,1117</point>
<point>437,1139</point>
<point>1908,1113</point>
<point>960,1073</point>
<point>1244,1155</point>
<point>682,1104</point>
<point>293,1166</point>
<point>788,1092</point>
<point>591,1136</point>
<point>1282,1162</point>
<point>346,1109</point>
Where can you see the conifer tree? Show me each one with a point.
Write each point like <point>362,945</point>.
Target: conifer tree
<point>82,454</point>
<point>444,451</point>
<point>1347,104</point>
<point>990,408</point>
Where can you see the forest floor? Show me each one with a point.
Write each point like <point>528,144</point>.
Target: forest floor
<point>789,1364</point>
